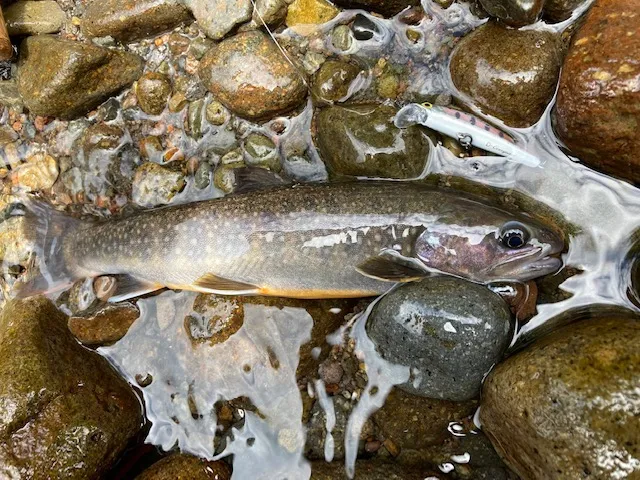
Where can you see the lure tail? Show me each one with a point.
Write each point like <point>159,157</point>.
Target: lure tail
<point>46,228</point>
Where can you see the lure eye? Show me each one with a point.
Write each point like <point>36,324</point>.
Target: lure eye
<point>514,235</point>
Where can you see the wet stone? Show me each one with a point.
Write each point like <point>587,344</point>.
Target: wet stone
<point>388,8</point>
<point>152,90</point>
<point>567,406</point>
<point>202,176</point>
<point>415,423</point>
<point>559,10</point>
<point>332,81</point>
<point>310,12</point>
<point>342,37</point>
<point>515,13</point>
<point>70,414</point>
<point>66,79</point>
<point>219,17</point>
<point>129,20</point>
<point>449,331</point>
<point>155,184</point>
<point>229,72</point>
<point>39,172</point>
<point>103,324</point>
<point>182,466</point>
<point>371,470</point>
<point>361,140</point>
<point>598,108</point>
<point>261,152</point>
<point>34,17</point>
<point>271,12</point>
<point>510,74</point>
<point>9,94</point>
<point>363,28</point>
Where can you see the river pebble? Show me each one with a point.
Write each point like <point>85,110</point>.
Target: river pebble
<point>219,17</point>
<point>181,466</point>
<point>103,324</point>
<point>569,405</point>
<point>332,81</point>
<point>449,331</point>
<point>63,78</point>
<point>310,12</point>
<point>388,8</point>
<point>250,76</point>
<point>34,17</point>
<point>67,404</point>
<point>153,90</point>
<point>155,184</point>
<point>515,13</point>
<point>598,107</point>
<point>489,65</point>
<point>361,140</point>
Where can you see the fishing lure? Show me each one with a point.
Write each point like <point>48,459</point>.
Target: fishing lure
<point>468,129</point>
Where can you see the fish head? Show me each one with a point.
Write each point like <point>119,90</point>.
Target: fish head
<point>500,247</point>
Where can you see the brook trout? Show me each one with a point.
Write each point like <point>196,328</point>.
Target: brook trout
<point>303,241</point>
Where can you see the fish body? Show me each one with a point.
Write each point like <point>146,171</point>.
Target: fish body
<point>305,241</point>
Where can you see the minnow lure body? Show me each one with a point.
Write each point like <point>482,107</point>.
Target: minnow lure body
<point>466,128</point>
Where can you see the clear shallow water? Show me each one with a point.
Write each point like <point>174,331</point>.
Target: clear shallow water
<point>188,379</point>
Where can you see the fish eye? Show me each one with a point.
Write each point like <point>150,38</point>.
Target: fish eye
<point>514,235</point>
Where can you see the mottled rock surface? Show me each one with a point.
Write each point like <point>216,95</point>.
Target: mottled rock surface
<point>65,412</point>
<point>153,90</point>
<point>448,330</point>
<point>559,10</point>
<point>516,13</point>
<point>332,81</point>
<point>569,405</point>
<point>414,422</point>
<point>508,73</point>
<point>129,20</point>
<point>310,12</point>
<point>251,77</point>
<point>388,8</point>
<point>63,78</point>
<point>597,113</point>
<point>218,17</point>
<point>34,17</point>
<point>103,324</point>
<point>155,184</point>
<point>186,467</point>
<point>369,470</point>
<point>361,140</point>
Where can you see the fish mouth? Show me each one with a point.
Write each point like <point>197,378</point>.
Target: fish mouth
<point>530,264</point>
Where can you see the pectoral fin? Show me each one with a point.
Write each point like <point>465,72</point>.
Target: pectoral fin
<point>390,270</point>
<point>128,287</point>
<point>214,284</point>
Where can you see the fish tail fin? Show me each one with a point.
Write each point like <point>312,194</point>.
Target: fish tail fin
<point>45,229</point>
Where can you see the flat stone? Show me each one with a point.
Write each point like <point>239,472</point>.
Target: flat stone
<point>66,79</point>
<point>310,12</point>
<point>219,17</point>
<point>104,324</point>
<point>249,75</point>
<point>361,140</point>
<point>597,112</point>
<point>129,20</point>
<point>449,331</point>
<point>34,17</point>
<point>508,73</point>
<point>65,411</point>
<point>515,13</point>
<point>568,406</point>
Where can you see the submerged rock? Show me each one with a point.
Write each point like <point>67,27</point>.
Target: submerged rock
<point>597,113</point>
<point>218,17</point>
<point>370,470</point>
<point>361,140</point>
<point>449,331</point>
<point>250,76</point>
<point>508,73</point>
<point>332,81</point>
<point>187,467</point>
<point>153,90</point>
<point>271,12</point>
<point>569,405</point>
<point>514,12</point>
<point>310,12</point>
<point>34,17</point>
<point>155,184</point>
<point>65,412</point>
<point>63,78</point>
<point>39,172</point>
<point>415,423</point>
<point>559,10</point>
<point>129,20</point>
<point>103,324</point>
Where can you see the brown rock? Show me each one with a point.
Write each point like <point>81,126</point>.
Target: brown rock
<point>186,467</point>
<point>65,412</point>
<point>414,422</point>
<point>251,77</point>
<point>129,20</point>
<point>369,470</point>
<point>153,90</point>
<point>104,324</point>
<point>63,78</point>
<point>597,114</point>
<point>509,73</point>
<point>559,10</point>
<point>388,8</point>
<point>567,406</point>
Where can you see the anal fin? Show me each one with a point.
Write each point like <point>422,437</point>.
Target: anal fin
<point>128,286</point>
<point>215,284</point>
<point>390,270</point>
